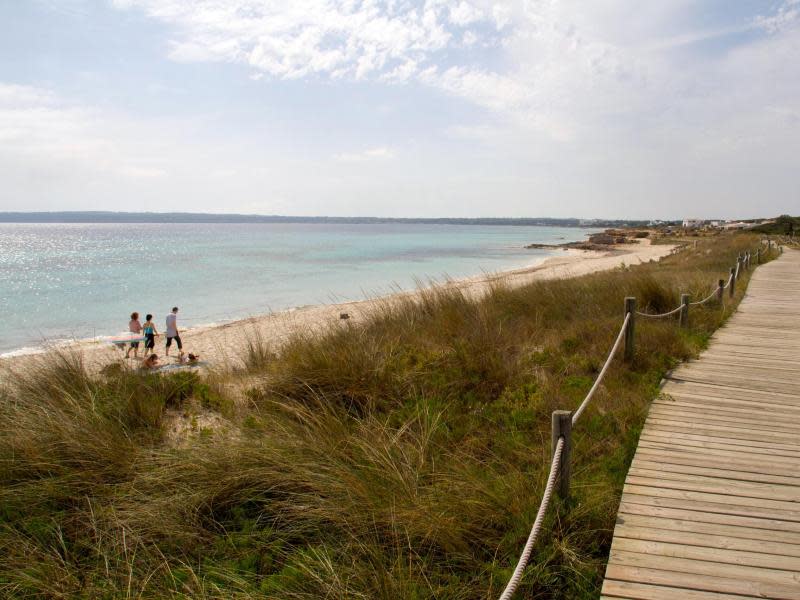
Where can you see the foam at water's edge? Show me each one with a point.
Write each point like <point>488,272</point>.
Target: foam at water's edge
<point>24,351</point>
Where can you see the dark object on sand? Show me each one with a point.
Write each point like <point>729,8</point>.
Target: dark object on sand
<point>344,316</point>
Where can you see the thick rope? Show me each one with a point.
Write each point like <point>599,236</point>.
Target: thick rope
<point>727,285</point>
<point>511,587</point>
<point>662,315</point>
<point>708,298</point>
<point>602,374</point>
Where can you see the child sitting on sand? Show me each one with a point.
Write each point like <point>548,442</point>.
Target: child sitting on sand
<point>151,362</point>
<point>191,359</point>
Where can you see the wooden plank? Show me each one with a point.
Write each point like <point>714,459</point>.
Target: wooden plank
<point>673,441</point>
<point>759,582</point>
<point>720,555</point>
<point>743,438</point>
<point>689,523</point>
<point>642,591</point>
<point>735,505</point>
<point>753,494</point>
<point>679,442</point>
<point>620,570</point>
<point>763,551</point>
<point>742,409</point>
<point>699,465</point>
<point>655,507</point>
<point>751,422</point>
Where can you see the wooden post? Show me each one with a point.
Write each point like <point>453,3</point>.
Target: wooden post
<point>562,427</point>
<point>758,256</point>
<point>720,290</point>
<point>733,282</point>
<point>684,314</point>
<point>630,309</point>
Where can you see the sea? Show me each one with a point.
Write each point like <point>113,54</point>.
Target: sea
<point>65,282</point>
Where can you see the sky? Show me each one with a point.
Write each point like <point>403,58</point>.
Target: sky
<point>461,108</point>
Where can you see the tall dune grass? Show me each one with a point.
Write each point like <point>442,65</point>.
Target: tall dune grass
<point>400,457</point>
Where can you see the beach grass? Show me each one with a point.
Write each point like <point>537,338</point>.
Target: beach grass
<point>402,456</point>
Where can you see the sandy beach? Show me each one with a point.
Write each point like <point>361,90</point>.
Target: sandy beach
<point>222,346</point>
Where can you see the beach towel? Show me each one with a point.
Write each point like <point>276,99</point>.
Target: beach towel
<point>123,339</point>
<point>178,366</point>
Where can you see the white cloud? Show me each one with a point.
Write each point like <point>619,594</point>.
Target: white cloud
<point>465,14</point>
<point>37,126</point>
<point>567,68</point>
<point>786,17</point>
<point>292,39</point>
<point>371,154</point>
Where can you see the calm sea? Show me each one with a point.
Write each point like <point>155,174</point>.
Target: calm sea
<point>66,281</point>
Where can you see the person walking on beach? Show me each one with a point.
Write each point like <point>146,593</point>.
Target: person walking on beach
<point>172,330</point>
<point>134,326</point>
<point>150,334</point>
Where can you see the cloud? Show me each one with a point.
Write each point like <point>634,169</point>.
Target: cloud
<point>562,71</point>
<point>465,14</point>
<point>49,134</point>
<point>371,154</point>
<point>785,17</point>
<point>292,39</point>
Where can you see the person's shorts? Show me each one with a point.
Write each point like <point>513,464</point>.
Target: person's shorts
<point>150,341</point>
<point>177,339</point>
<point>134,344</point>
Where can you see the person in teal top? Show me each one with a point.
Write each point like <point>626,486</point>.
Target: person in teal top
<point>150,334</point>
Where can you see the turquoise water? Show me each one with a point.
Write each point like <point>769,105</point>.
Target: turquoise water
<point>68,281</point>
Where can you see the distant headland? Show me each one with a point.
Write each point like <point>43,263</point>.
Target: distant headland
<point>182,217</point>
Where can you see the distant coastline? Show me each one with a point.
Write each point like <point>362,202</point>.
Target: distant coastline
<point>181,217</point>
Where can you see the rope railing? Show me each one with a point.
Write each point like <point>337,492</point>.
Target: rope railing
<point>730,280</point>
<point>563,421</point>
<point>511,587</point>
<point>660,315</point>
<point>708,298</point>
<point>602,373</point>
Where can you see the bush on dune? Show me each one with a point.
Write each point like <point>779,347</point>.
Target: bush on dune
<point>400,457</point>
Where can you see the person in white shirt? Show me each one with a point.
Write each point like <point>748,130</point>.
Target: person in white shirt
<point>172,331</point>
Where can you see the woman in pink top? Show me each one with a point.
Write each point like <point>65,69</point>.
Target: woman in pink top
<point>134,327</point>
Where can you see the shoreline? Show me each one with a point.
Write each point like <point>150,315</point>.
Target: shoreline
<point>223,344</point>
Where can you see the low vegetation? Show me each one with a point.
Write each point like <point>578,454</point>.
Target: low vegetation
<point>401,457</point>
<point>783,225</point>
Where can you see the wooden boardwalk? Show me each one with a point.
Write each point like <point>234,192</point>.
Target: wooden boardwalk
<point>711,504</point>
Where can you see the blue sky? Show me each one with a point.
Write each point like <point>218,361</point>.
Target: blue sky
<point>610,108</point>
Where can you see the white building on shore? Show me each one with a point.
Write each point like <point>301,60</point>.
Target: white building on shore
<point>693,223</point>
